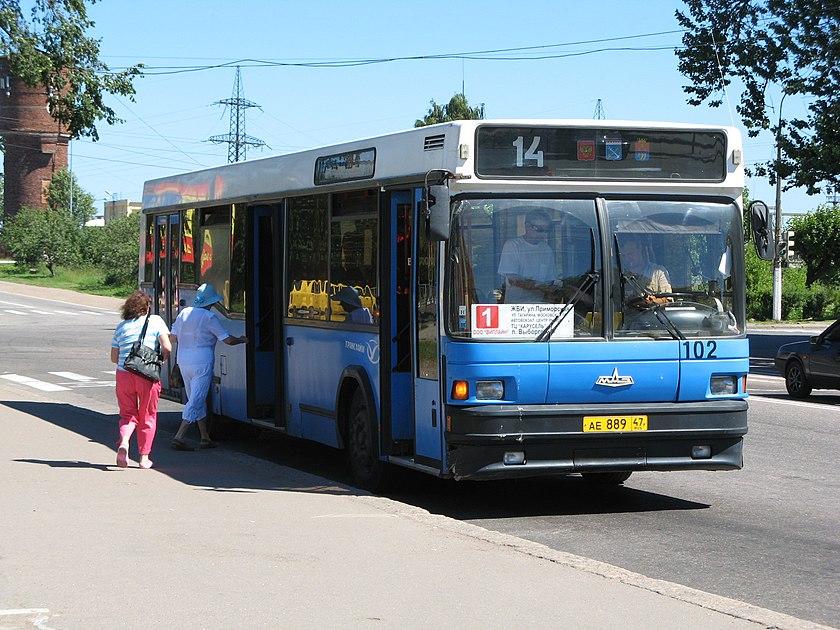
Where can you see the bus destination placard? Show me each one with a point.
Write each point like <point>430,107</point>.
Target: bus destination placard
<point>519,321</point>
<point>590,153</point>
<point>345,167</point>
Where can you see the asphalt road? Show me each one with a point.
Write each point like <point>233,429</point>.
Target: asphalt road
<point>768,534</point>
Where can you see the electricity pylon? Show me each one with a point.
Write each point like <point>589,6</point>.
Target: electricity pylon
<point>237,140</point>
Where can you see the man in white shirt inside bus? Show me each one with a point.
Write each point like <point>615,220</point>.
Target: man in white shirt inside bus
<point>528,263</point>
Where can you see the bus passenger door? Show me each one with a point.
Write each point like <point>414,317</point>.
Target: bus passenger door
<point>166,269</point>
<point>167,234</point>
<point>263,319</point>
<point>428,432</point>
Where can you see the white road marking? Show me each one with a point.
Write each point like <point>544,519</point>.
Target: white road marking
<point>795,403</point>
<point>68,312</point>
<point>73,376</point>
<point>90,384</point>
<point>41,312</point>
<point>32,382</point>
<point>23,611</point>
<point>8,310</point>
<point>40,616</point>
<point>96,312</point>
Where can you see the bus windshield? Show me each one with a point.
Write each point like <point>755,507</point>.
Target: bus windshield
<point>531,269</point>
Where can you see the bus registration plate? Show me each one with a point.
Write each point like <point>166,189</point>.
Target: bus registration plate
<point>612,424</point>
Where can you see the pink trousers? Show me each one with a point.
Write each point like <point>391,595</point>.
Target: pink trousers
<point>138,402</point>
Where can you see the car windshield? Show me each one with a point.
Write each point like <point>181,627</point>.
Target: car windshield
<point>532,269</point>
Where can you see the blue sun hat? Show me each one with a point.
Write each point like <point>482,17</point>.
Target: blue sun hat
<point>206,295</point>
<point>348,296</point>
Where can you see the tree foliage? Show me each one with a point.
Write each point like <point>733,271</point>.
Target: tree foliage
<point>52,49</point>
<point>817,242</point>
<point>771,46</point>
<point>120,250</point>
<point>65,193</point>
<point>33,236</point>
<point>457,109</point>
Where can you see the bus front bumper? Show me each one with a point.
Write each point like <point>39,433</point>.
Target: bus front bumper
<point>505,441</point>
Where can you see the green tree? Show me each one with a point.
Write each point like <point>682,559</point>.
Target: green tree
<point>457,109</point>
<point>52,49</point>
<point>817,242</point>
<point>120,254</point>
<point>65,193</point>
<point>33,236</point>
<point>771,46</point>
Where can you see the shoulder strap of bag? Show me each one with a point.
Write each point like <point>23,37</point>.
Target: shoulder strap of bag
<point>142,338</point>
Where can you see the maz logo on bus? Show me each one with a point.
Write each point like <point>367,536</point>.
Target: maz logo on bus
<point>700,350</point>
<point>530,154</point>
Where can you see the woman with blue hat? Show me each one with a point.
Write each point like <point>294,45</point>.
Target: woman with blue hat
<point>196,331</point>
<point>350,301</point>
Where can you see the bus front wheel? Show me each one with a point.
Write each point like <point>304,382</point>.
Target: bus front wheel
<point>362,448</point>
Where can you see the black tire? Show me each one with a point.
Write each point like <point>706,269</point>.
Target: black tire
<point>607,478</point>
<point>362,449</point>
<point>796,381</point>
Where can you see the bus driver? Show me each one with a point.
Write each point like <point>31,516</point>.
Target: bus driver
<point>528,263</point>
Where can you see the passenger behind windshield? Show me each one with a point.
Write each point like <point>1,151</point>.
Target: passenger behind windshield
<point>528,264</point>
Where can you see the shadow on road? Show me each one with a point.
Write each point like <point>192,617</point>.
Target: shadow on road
<point>464,500</point>
<point>202,469</point>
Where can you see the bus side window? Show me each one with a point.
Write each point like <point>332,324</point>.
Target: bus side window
<point>306,270</point>
<point>354,245</point>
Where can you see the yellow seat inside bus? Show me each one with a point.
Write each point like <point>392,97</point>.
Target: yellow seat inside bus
<point>311,299</point>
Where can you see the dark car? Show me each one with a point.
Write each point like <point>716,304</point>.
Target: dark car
<point>812,364</point>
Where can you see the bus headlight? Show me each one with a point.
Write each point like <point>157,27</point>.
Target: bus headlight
<point>723,384</point>
<point>489,390</point>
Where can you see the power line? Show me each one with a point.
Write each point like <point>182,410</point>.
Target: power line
<point>479,55</point>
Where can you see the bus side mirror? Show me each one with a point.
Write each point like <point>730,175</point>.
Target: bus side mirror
<point>762,230</point>
<point>437,211</point>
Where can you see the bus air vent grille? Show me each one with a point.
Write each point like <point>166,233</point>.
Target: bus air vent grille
<point>433,143</point>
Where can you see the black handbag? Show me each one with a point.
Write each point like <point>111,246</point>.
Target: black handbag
<point>143,360</point>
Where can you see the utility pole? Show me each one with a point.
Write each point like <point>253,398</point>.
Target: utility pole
<point>777,260</point>
<point>237,140</point>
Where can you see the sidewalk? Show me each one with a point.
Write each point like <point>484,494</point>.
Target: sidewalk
<point>63,295</point>
<point>218,539</point>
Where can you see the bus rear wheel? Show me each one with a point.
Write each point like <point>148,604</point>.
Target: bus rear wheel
<point>362,448</point>
<point>607,478</point>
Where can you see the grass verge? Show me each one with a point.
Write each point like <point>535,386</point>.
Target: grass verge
<point>83,279</point>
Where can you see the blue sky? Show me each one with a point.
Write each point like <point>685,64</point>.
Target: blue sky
<point>166,129</point>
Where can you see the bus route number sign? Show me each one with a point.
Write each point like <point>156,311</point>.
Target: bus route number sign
<point>518,321</point>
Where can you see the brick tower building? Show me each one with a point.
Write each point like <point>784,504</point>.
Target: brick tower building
<point>36,146</point>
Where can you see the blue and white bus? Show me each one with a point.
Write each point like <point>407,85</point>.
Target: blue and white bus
<point>464,366</point>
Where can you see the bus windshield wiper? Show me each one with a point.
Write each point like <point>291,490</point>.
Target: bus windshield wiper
<point>657,309</point>
<point>591,279</point>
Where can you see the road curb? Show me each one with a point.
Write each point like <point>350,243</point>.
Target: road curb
<point>717,603</point>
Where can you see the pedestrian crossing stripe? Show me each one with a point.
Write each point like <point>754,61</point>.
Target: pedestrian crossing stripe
<point>73,376</point>
<point>72,381</point>
<point>33,382</point>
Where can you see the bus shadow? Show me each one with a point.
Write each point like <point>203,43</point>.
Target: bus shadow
<point>201,469</point>
<point>540,496</point>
